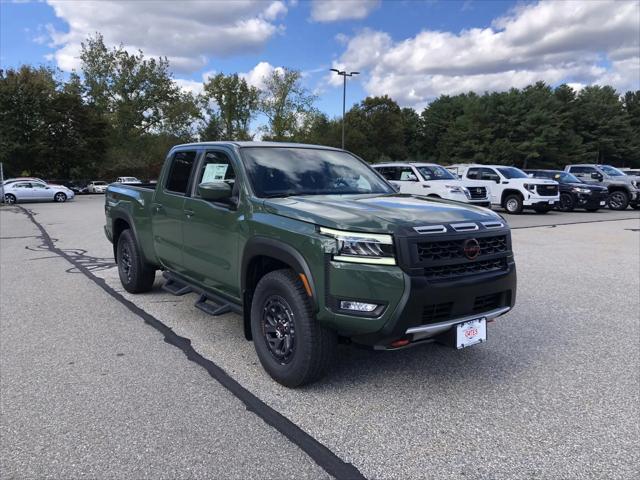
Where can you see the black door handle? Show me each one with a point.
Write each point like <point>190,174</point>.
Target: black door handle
<point>189,213</point>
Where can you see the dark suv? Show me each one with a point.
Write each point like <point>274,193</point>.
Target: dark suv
<point>574,193</point>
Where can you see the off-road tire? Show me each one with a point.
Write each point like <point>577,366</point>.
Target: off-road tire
<point>513,203</point>
<point>313,345</point>
<point>136,276</point>
<point>618,200</point>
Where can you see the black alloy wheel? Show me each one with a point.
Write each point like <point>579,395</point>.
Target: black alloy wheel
<point>278,329</point>
<point>566,203</point>
<point>618,200</point>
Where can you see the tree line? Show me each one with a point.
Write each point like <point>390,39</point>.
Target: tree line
<point>123,111</point>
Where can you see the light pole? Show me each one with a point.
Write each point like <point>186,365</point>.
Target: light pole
<point>344,93</point>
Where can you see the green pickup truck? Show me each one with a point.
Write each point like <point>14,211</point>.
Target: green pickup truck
<point>311,246</point>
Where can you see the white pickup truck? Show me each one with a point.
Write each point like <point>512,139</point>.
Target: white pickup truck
<point>432,180</point>
<point>511,188</point>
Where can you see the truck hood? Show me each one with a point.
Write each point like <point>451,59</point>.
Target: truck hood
<point>376,213</point>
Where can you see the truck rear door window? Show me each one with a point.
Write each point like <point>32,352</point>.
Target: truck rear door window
<point>180,172</point>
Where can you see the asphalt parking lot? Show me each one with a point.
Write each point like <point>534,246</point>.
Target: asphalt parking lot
<point>93,386</point>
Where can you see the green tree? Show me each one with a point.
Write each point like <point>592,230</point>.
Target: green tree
<point>47,129</point>
<point>286,103</point>
<point>375,130</point>
<point>603,124</point>
<point>236,104</point>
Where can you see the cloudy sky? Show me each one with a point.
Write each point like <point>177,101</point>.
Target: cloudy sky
<point>410,50</point>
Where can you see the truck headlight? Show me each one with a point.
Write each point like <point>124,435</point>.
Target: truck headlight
<point>359,247</point>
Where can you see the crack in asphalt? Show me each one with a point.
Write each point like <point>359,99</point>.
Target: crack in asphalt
<point>319,453</point>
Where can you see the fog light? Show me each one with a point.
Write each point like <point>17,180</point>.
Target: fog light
<point>357,306</point>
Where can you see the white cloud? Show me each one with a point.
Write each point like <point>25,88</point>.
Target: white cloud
<point>336,10</point>
<point>579,42</point>
<point>188,32</point>
<point>259,74</point>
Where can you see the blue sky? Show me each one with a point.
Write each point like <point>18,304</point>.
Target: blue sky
<point>413,51</point>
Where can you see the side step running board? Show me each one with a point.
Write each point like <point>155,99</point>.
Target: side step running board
<point>207,302</point>
<point>175,287</point>
<point>214,309</point>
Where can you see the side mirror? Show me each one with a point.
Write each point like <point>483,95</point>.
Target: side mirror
<point>215,191</point>
<point>596,176</point>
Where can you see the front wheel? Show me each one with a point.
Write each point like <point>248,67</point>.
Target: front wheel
<point>566,203</point>
<point>135,274</point>
<point>292,346</point>
<point>618,200</point>
<point>60,197</point>
<point>10,199</point>
<point>513,204</point>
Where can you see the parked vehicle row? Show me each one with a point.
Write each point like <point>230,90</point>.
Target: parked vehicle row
<point>574,193</point>
<point>623,189</point>
<point>27,189</point>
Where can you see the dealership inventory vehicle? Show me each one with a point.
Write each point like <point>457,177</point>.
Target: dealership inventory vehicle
<point>574,193</point>
<point>433,180</point>
<point>511,188</point>
<point>35,191</point>
<point>130,180</point>
<point>97,186</point>
<point>623,189</point>
<point>310,245</point>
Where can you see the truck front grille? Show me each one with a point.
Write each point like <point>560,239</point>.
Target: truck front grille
<point>443,272</point>
<point>477,193</point>
<point>454,249</point>
<point>547,190</point>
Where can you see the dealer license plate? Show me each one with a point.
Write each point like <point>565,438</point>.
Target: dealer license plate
<point>471,332</point>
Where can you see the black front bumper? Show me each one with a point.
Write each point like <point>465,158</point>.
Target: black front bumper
<point>431,303</point>
<point>590,201</point>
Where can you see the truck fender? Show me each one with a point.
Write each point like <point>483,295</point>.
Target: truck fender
<point>123,215</point>
<point>280,251</point>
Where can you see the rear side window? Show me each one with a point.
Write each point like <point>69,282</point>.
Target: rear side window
<point>473,173</point>
<point>398,174</point>
<point>582,170</point>
<point>180,172</point>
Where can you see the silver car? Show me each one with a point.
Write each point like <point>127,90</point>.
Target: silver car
<point>97,186</point>
<point>34,191</point>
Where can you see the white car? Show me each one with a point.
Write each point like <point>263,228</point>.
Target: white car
<point>129,180</point>
<point>97,186</point>
<point>511,188</point>
<point>433,180</point>
<point>35,191</point>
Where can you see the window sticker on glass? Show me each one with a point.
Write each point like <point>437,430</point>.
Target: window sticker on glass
<point>214,172</point>
<point>407,176</point>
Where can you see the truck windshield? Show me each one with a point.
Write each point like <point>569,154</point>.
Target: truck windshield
<point>611,171</point>
<point>285,171</point>
<point>511,172</point>
<point>436,173</point>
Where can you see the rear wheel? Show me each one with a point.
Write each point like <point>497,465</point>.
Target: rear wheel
<point>136,276</point>
<point>60,197</point>
<point>513,203</point>
<point>292,346</point>
<point>566,203</point>
<point>618,200</point>
<point>10,199</point>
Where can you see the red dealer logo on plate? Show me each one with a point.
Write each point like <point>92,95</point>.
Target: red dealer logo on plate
<point>471,332</point>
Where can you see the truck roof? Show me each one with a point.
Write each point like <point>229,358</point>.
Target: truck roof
<point>246,144</point>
